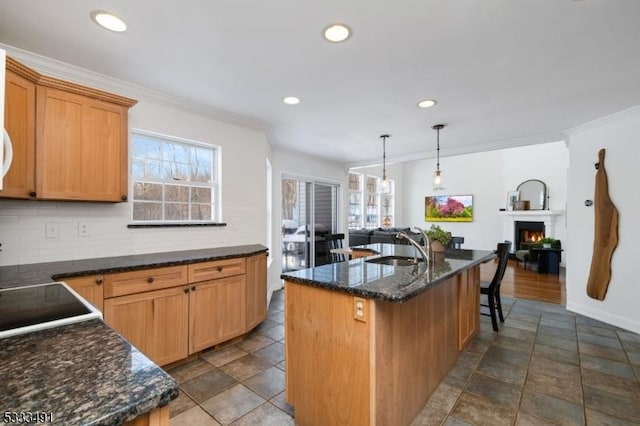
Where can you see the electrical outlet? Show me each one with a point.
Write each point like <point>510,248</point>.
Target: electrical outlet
<point>359,310</point>
<point>83,229</point>
<point>52,230</point>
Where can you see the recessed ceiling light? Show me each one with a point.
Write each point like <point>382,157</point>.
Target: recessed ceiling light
<point>108,20</point>
<point>337,33</point>
<point>427,103</point>
<point>291,100</point>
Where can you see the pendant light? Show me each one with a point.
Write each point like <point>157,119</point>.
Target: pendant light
<point>385,182</point>
<point>437,175</point>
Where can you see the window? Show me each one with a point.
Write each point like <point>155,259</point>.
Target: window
<point>355,201</point>
<point>364,195</point>
<point>173,180</point>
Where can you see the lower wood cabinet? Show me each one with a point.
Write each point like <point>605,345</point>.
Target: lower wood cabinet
<point>256,274</point>
<point>216,312</point>
<point>166,314</point>
<point>155,322</point>
<point>91,288</point>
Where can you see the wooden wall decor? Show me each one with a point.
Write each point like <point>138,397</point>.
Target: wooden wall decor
<point>606,234</point>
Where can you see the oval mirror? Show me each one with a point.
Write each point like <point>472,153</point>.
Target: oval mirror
<point>535,191</point>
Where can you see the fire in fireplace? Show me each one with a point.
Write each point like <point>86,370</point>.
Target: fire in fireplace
<point>528,232</point>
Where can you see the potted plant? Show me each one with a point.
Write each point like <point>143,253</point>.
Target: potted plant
<point>548,242</point>
<point>439,239</point>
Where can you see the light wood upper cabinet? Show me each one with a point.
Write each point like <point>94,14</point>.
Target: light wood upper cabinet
<point>81,147</point>
<point>70,141</point>
<point>19,121</point>
<point>256,290</point>
<point>155,322</point>
<point>91,288</point>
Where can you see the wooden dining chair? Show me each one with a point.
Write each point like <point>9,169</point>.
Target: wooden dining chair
<point>334,241</point>
<point>492,289</point>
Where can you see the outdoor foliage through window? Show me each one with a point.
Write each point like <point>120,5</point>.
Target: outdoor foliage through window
<point>172,181</point>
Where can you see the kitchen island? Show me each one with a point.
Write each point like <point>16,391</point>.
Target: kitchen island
<point>368,343</point>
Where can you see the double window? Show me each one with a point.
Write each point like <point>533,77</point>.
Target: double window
<point>173,180</point>
<point>365,196</point>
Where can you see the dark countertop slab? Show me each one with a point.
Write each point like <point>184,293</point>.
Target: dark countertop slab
<point>38,273</point>
<point>385,282</point>
<point>82,373</point>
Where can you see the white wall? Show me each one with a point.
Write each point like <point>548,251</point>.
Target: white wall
<point>290,163</point>
<point>244,149</point>
<point>619,135</point>
<point>488,176</point>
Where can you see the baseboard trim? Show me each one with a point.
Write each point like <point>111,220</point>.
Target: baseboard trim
<point>603,316</point>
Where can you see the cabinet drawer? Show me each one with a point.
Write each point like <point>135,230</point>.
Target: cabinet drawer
<point>144,280</point>
<point>217,269</point>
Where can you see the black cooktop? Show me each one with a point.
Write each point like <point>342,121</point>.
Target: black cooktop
<point>24,306</point>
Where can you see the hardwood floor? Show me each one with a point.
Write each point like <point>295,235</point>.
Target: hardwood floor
<point>527,284</point>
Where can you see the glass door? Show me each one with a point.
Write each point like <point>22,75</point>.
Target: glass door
<point>309,211</point>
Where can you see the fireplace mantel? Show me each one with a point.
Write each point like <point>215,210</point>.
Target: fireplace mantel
<point>549,217</point>
<point>536,213</point>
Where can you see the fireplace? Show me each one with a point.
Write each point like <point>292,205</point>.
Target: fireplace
<point>527,232</point>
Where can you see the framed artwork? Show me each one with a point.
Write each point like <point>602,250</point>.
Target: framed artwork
<point>448,208</point>
<point>512,197</point>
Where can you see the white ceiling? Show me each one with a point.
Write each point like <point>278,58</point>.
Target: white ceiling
<point>504,72</point>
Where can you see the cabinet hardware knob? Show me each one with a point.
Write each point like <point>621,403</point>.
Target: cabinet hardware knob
<point>186,290</point>
<point>150,280</point>
<point>32,193</point>
<point>99,280</point>
<point>124,198</point>
<point>193,288</point>
<point>219,268</point>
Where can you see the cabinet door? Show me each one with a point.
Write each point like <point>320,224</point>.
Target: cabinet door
<point>256,290</point>
<point>155,322</point>
<point>90,288</point>
<point>81,147</point>
<point>217,312</point>
<point>104,157</point>
<point>19,121</point>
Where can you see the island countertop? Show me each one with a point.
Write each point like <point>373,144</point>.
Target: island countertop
<point>38,273</point>
<point>385,282</point>
<point>82,373</point>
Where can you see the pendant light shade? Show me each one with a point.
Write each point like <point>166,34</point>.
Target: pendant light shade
<point>385,183</point>
<point>438,182</point>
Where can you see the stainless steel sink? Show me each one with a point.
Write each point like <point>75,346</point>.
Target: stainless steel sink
<point>394,260</point>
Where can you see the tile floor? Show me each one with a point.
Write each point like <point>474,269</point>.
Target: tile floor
<point>545,366</point>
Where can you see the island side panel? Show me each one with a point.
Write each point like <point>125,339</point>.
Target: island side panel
<point>468,305</point>
<point>416,344</point>
<point>327,357</point>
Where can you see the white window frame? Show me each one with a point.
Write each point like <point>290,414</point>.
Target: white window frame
<point>379,198</point>
<point>215,184</point>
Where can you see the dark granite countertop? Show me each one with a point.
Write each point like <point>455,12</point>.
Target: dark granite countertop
<point>82,373</point>
<point>385,282</point>
<point>38,273</point>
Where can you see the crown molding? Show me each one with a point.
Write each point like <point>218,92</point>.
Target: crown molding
<point>603,120</point>
<point>55,83</point>
<point>61,70</point>
<point>465,149</point>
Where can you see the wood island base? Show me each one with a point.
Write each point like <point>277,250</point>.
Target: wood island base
<point>379,366</point>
